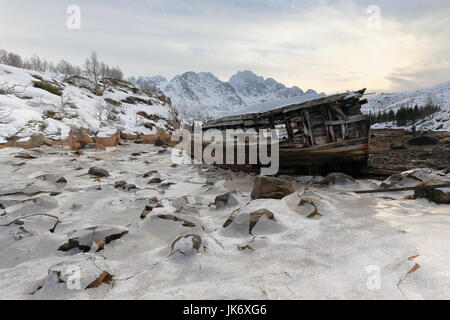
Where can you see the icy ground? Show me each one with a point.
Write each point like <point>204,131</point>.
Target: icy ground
<point>337,254</point>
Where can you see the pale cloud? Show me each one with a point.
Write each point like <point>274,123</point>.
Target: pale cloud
<point>325,45</point>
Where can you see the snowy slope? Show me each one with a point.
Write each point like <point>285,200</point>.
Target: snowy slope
<point>437,95</point>
<point>28,110</point>
<point>202,96</point>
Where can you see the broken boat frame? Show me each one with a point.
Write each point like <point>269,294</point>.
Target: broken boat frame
<point>321,135</point>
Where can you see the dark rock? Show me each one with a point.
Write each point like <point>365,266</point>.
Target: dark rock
<point>119,184</point>
<point>225,200</point>
<point>271,188</point>
<point>155,180</point>
<point>123,185</point>
<point>338,178</point>
<point>61,180</point>
<point>159,143</point>
<point>99,172</point>
<point>439,196</point>
<point>423,141</point>
<point>2,206</point>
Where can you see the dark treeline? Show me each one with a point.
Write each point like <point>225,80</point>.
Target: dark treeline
<point>405,115</point>
<point>36,63</point>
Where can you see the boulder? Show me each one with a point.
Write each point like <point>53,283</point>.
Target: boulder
<point>271,188</point>
<point>98,236</point>
<point>226,200</point>
<point>98,172</point>
<point>155,181</point>
<point>423,141</point>
<point>436,195</point>
<point>187,245</point>
<point>123,185</point>
<point>25,155</point>
<point>245,223</point>
<point>338,178</point>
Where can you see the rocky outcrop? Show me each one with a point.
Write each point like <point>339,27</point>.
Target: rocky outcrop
<point>271,188</point>
<point>436,195</point>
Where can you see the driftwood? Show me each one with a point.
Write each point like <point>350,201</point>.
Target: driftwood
<point>444,185</point>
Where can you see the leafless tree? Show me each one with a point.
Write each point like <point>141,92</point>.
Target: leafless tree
<point>103,111</point>
<point>93,67</point>
<point>66,101</point>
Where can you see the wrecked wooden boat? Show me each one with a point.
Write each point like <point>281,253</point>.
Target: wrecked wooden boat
<point>317,136</point>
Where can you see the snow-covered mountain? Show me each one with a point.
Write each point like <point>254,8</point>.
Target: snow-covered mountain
<point>52,105</point>
<point>255,89</point>
<point>202,96</point>
<point>436,95</point>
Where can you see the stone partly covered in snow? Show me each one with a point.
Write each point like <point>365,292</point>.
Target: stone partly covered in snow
<point>98,172</point>
<point>423,141</point>
<point>124,186</point>
<point>25,155</point>
<point>186,223</point>
<point>261,221</point>
<point>338,178</point>
<point>92,238</point>
<point>414,177</point>
<point>436,195</point>
<point>226,200</point>
<point>67,278</point>
<point>181,202</point>
<point>271,188</point>
<point>187,245</point>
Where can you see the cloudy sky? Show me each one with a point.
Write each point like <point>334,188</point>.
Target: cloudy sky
<point>329,46</point>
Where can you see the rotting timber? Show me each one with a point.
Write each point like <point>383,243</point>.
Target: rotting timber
<point>318,136</point>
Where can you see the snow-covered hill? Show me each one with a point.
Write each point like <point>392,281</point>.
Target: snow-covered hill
<point>202,96</point>
<point>436,95</point>
<point>34,103</point>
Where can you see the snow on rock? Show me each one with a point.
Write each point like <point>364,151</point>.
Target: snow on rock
<point>414,177</point>
<point>54,105</point>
